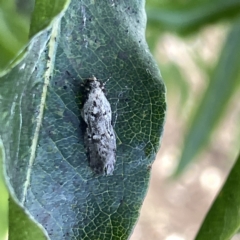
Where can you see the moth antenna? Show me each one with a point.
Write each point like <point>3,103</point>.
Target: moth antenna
<point>106,81</point>
<point>94,78</point>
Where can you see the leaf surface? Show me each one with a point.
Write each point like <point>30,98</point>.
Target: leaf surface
<point>42,132</point>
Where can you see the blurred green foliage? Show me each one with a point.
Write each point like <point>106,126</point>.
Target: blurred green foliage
<point>14,28</point>
<point>185,18</point>
<point>3,204</point>
<point>19,22</point>
<point>224,82</point>
<point>223,218</point>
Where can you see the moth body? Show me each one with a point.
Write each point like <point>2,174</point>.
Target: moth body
<point>100,140</point>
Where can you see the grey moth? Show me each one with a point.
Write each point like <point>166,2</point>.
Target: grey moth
<point>99,138</point>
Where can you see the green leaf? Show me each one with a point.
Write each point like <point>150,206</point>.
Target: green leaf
<point>14,28</point>
<point>223,218</point>
<point>223,83</point>
<point>42,130</point>
<point>3,201</point>
<point>44,13</point>
<point>21,226</point>
<point>153,34</point>
<point>13,34</point>
<point>176,78</point>
<point>192,15</point>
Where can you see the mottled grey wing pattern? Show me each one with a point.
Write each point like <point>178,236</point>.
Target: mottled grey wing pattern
<point>99,137</point>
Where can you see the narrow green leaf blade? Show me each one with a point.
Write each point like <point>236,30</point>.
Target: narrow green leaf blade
<point>191,16</point>
<point>223,218</point>
<point>223,83</point>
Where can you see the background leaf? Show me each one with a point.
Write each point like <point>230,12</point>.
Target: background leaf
<point>223,219</point>
<point>42,133</point>
<point>3,200</point>
<point>190,16</point>
<point>15,29</point>
<point>21,226</point>
<point>223,84</point>
<point>13,33</point>
<point>44,12</point>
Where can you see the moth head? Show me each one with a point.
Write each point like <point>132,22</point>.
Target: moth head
<point>93,83</point>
